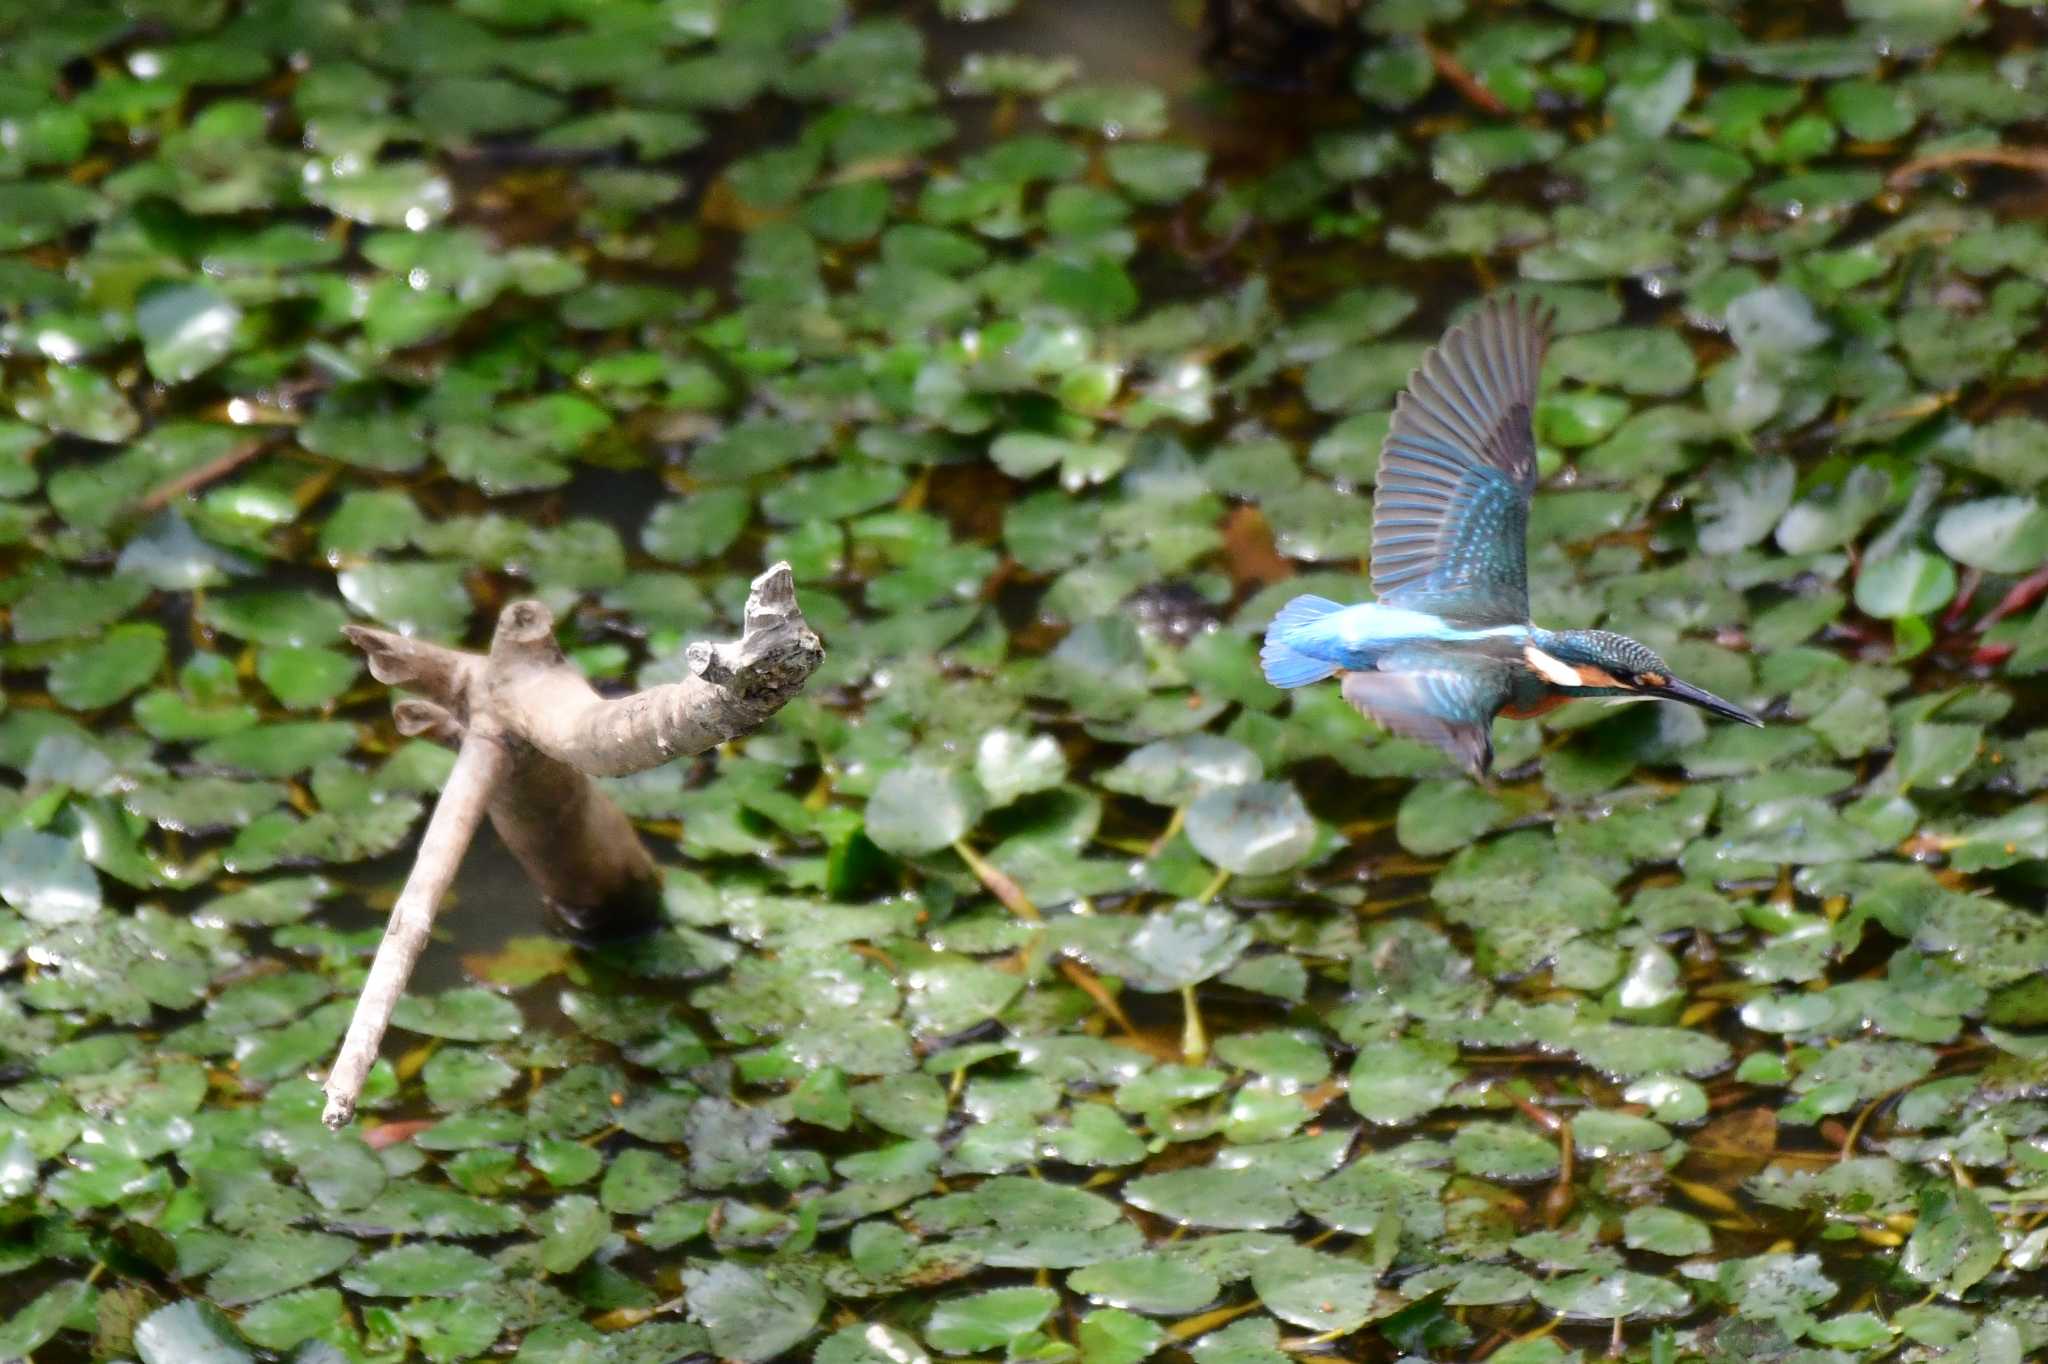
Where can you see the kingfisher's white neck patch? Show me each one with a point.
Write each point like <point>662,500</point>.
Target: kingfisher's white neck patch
<point>1555,671</point>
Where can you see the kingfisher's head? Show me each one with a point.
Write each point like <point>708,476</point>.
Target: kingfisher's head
<point>1602,663</point>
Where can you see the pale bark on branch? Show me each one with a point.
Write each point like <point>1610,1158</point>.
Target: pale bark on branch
<point>531,733</point>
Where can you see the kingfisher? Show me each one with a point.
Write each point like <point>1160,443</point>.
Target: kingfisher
<point>1448,644</point>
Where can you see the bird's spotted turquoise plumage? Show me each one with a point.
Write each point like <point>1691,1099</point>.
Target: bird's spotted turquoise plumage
<point>1449,644</point>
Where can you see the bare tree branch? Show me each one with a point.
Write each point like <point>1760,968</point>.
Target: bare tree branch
<point>478,765</point>
<point>533,734</point>
<point>443,675</point>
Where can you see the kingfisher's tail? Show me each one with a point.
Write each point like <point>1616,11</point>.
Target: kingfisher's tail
<point>1286,665</point>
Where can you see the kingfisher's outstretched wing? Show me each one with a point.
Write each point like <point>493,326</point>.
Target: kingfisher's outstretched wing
<point>1450,515</point>
<point>1444,699</point>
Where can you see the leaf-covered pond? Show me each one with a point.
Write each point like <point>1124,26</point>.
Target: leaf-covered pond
<point>1041,985</point>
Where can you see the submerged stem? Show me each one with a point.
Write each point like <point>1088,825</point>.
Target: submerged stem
<point>1194,1038</point>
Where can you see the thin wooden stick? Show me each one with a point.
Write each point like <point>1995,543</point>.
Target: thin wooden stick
<point>479,764</point>
<point>2016,158</point>
<point>1466,84</point>
<point>194,479</point>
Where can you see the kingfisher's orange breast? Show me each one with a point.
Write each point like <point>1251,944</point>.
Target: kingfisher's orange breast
<point>1534,708</point>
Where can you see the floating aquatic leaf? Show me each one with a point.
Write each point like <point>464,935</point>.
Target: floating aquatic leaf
<point>39,1319</point>
<point>465,1015</point>
<point>1646,104</point>
<point>1613,1295</point>
<point>1151,1283</point>
<point>306,678</point>
<point>1166,950</point>
<point>420,1269</point>
<point>753,1313</point>
<point>701,526</point>
<point>1506,1151</point>
<point>1156,171</point>
<point>59,607</point>
<point>186,329</point>
<point>398,194</point>
<point>1909,583</point>
<point>1113,110</point>
<point>117,664</point>
<point>1774,322</point>
<point>1777,1287</point>
<point>571,1231</point>
<point>424,599</point>
<point>1955,1240</point>
<point>189,1332</point>
<point>1394,1083</point>
<point>1315,1290</point>
<point>1176,771</point>
<point>988,1321</point>
<point>47,877</point>
<point>1254,829</point>
<point>1666,1231</point>
<point>1439,817</point>
<point>1996,534</point>
<point>869,1343</point>
<point>1009,765</point>
<point>282,1259</point>
<point>1209,1197</point>
<point>1818,523</point>
<point>1742,506</point>
<point>920,809</point>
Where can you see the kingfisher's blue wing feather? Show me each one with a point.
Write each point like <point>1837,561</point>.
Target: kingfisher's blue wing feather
<point>1450,517</point>
<point>1441,699</point>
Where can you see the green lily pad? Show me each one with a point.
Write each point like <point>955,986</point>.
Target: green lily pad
<point>1909,583</point>
<point>1255,829</point>
<point>38,1320</point>
<point>1394,1083</point>
<point>1152,1283</point>
<point>1009,765</point>
<point>118,664</point>
<point>920,809</point>
<point>468,1015</point>
<point>60,607</point>
<point>1205,1196</point>
<point>1996,534</point>
<point>47,877</point>
<point>1115,111</point>
<point>425,599</point>
<point>1315,1290</point>
<point>408,194</point>
<point>186,329</point>
<point>188,1333</point>
<point>1614,1295</point>
<point>1666,1231</point>
<point>988,1321</point>
<point>420,1269</point>
<point>753,1313</point>
<point>571,1231</point>
<point>1955,1240</point>
<point>283,1259</point>
<point>1176,771</point>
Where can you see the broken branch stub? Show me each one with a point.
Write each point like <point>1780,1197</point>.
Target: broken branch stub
<point>531,733</point>
<point>732,689</point>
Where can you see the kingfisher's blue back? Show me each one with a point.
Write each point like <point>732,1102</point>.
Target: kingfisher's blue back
<point>1314,637</point>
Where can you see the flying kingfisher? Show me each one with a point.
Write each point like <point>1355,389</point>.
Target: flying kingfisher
<point>1449,644</point>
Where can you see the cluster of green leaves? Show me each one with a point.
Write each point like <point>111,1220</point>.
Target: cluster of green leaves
<point>1042,984</point>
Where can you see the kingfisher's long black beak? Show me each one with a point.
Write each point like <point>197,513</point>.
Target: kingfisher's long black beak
<point>1675,689</point>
